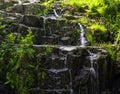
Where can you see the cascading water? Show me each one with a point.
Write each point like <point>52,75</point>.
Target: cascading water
<point>71,83</point>
<point>82,38</point>
<point>55,13</point>
<point>58,72</point>
<point>30,1</point>
<point>19,2</point>
<point>51,33</point>
<point>94,74</point>
<point>44,26</point>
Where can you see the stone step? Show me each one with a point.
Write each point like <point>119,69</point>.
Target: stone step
<point>26,8</point>
<point>49,91</point>
<point>56,78</point>
<point>45,37</point>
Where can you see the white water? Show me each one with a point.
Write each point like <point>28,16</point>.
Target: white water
<point>65,60</point>
<point>30,1</point>
<point>56,71</point>
<point>82,38</point>
<point>93,57</point>
<point>44,27</point>
<point>19,2</point>
<point>51,33</point>
<point>55,13</point>
<point>94,73</point>
<point>67,48</point>
<point>53,57</point>
<point>71,84</point>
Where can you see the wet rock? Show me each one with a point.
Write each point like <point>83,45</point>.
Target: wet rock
<point>69,17</point>
<point>30,8</point>
<point>32,21</point>
<point>65,40</point>
<point>3,88</point>
<point>49,40</point>
<point>9,18</point>
<point>76,70</point>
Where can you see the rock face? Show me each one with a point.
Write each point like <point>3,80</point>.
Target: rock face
<point>71,68</point>
<point>27,8</point>
<point>50,31</point>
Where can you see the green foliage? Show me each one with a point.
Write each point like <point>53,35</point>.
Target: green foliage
<point>46,10</point>
<point>76,4</point>
<point>97,27</point>
<point>83,20</point>
<point>113,7</point>
<point>117,41</point>
<point>97,33</point>
<point>14,58</point>
<point>90,38</point>
<point>112,52</point>
<point>2,29</point>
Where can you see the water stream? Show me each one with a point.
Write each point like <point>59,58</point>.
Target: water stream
<point>94,74</point>
<point>19,2</point>
<point>51,33</point>
<point>82,38</point>
<point>55,13</point>
<point>71,83</point>
<point>30,1</point>
<point>58,75</point>
<point>44,26</point>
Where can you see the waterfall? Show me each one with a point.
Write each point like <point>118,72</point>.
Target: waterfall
<point>32,1</point>
<point>71,89</point>
<point>56,71</point>
<point>93,72</point>
<point>65,61</point>
<point>44,27</point>
<point>19,2</point>
<point>82,38</point>
<point>55,13</point>
<point>51,33</point>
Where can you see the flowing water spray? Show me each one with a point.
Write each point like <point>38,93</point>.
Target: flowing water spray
<point>82,38</point>
<point>71,84</point>
<point>94,74</point>
<point>55,13</point>
<point>51,33</point>
<point>19,2</point>
<point>32,1</point>
<point>44,26</point>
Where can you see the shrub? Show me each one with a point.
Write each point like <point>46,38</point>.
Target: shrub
<point>14,59</point>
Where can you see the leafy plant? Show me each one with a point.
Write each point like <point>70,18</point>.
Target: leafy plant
<point>97,33</point>
<point>14,59</point>
<point>117,41</point>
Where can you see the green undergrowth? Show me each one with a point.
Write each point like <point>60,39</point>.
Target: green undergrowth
<point>19,71</point>
<point>13,59</point>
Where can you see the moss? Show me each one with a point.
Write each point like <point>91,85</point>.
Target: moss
<point>98,32</point>
<point>97,27</point>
